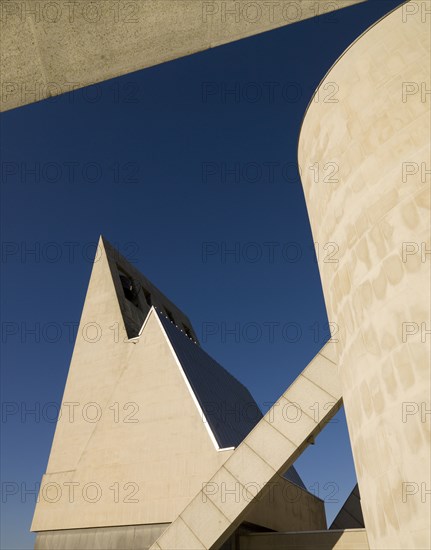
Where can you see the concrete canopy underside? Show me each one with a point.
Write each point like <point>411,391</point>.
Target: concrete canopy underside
<point>49,48</point>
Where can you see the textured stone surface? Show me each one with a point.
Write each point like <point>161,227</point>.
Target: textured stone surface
<point>48,48</point>
<point>252,470</point>
<point>379,295</point>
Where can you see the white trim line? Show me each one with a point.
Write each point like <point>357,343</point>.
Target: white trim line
<point>145,321</point>
<point>192,393</point>
<point>135,339</point>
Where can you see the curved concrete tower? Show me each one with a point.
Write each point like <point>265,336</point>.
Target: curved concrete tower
<point>371,197</point>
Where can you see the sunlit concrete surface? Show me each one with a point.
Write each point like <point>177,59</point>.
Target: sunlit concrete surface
<point>49,48</point>
<point>145,444</point>
<point>365,164</point>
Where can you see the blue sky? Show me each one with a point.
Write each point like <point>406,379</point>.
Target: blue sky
<point>190,169</point>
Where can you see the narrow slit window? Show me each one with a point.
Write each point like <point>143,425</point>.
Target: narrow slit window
<point>128,287</point>
<point>187,331</point>
<point>147,296</point>
<point>169,315</point>
<point>131,288</point>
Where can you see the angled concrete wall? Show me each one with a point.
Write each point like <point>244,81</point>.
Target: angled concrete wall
<point>365,162</point>
<point>49,48</point>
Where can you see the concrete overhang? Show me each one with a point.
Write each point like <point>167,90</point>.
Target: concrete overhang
<point>50,48</point>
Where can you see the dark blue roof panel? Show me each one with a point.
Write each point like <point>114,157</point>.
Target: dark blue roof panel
<point>228,406</point>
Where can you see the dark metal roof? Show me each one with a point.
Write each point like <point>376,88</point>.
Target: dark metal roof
<point>136,294</point>
<point>228,406</point>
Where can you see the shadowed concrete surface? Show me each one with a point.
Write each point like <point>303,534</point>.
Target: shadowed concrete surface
<point>350,516</point>
<point>130,537</point>
<point>49,48</point>
<point>140,537</point>
<point>351,539</point>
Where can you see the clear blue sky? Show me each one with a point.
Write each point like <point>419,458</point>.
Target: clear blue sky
<point>142,159</point>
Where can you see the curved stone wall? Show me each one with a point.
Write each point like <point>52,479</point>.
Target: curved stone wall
<point>364,159</point>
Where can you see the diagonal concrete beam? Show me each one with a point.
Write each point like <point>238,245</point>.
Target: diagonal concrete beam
<point>49,48</point>
<point>267,452</point>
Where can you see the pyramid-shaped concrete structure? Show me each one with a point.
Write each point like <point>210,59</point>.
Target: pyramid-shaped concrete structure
<point>147,418</point>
